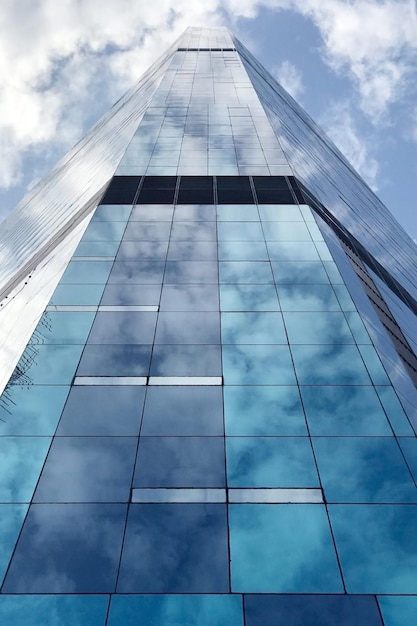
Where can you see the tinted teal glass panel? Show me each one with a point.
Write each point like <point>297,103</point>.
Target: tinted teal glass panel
<point>329,365</point>
<point>85,272</point>
<point>270,462</point>
<point>280,212</point>
<point>237,213</point>
<point>409,448</point>
<point>137,273</point>
<point>239,231</point>
<point>188,327</point>
<point>52,365</point>
<point>104,231</point>
<point>363,469</point>
<point>282,549</point>
<point>32,410</point>
<point>77,294</point>
<point>240,251</point>
<point>241,272</point>
<point>59,327</point>
<point>285,231</point>
<point>136,294</point>
<point>377,547</point>
<point>347,410</point>
<point>97,248</point>
<point>11,520</point>
<point>186,360</point>
<point>257,365</point>
<point>344,298</point>
<point>357,327</point>
<point>248,298</point>
<point>192,250</point>
<point>292,251</point>
<point>21,461</point>
<point>317,328</point>
<point>152,212</point>
<point>333,273</point>
<point>142,251</point>
<point>176,610</point>
<point>398,610</point>
<point>115,360</point>
<point>54,610</point>
<point>253,328</point>
<point>263,410</point>
<point>307,298</point>
<point>112,213</point>
<point>299,273</point>
<point>374,365</point>
<point>398,419</point>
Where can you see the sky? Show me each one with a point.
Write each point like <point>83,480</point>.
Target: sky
<point>352,64</point>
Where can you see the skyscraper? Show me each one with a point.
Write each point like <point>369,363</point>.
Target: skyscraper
<point>213,422</point>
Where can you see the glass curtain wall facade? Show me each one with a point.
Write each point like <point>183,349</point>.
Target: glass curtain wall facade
<point>213,423</point>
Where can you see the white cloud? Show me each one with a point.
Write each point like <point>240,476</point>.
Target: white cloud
<point>290,78</point>
<point>373,41</point>
<point>339,124</point>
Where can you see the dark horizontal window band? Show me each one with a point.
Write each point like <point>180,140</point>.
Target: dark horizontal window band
<point>202,190</point>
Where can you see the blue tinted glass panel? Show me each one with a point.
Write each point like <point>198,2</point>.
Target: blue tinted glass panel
<point>84,272</point>
<point>363,469</point>
<point>193,231</point>
<point>180,462</point>
<point>398,419</point>
<point>263,411</point>
<point>21,463</point>
<point>257,365</point>
<point>112,213</point>
<point>68,548</point>
<point>115,361</point>
<point>192,250</point>
<point>409,449</point>
<point>54,610</point>
<point>95,410</point>
<point>374,365</point>
<point>329,365</point>
<point>255,328</point>
<point>309,610</point>
<point>241,272</point>
<point>104,231</point>
<point>270,462</point>
<point>285,231</point>
<point>307,298</point>
<point>188,328</point>
<point>282,549</point>
<point>248,298</point>
<point>77,294</point>
<point>377,547</point>
<point>240,251</point>
<point>175,548</point>
<point>299,273</point>
<point>137,272</point>
<point>190,298</point>
<point>186,360</point>
<point>142,251</point>
<point>347,410</point>
<point>11,520</point>
<point>136,294</point>
<point>87,469</point>
<point>239,231</point>
<point>32,410</point>
<point>398,610</point>
<point>317,328</point>
<point>123,327</point>
<point>50,365</point>
<point>292,251</point>
<point>175,610</point>
<point>237,213</point>
<point>97,248</point>
<point>183,411</point>
<point>189,272</point>
<point>63,328</point>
